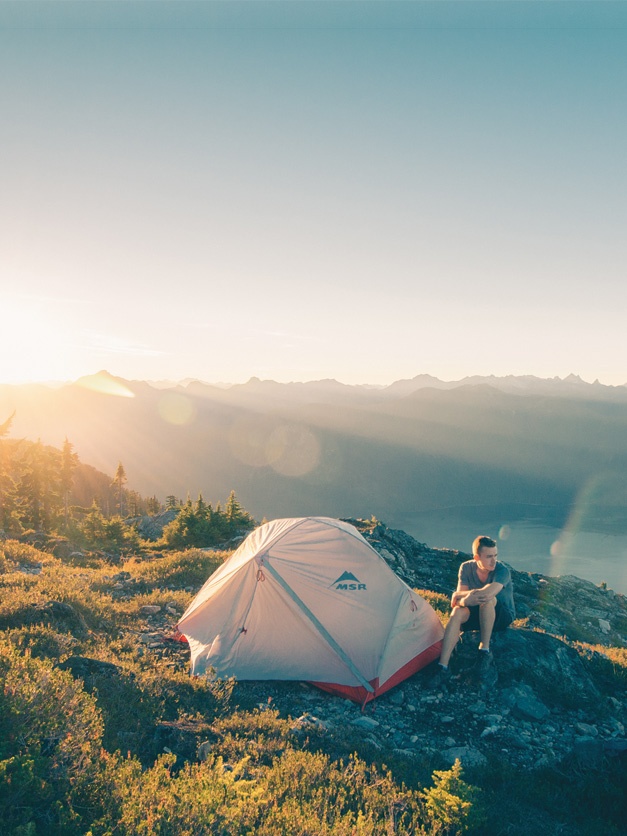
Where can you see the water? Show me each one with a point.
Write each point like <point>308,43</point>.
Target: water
<point>535,543</point>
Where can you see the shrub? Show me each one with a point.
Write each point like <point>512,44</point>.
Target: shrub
<point>440,603</point>
<point>189,568</point>
<point>452,803</point>
<point>50,734</point>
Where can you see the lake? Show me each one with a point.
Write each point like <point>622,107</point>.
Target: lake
<point>530,540</point>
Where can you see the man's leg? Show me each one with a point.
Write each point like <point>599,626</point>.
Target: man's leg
<point>487,615</point>
<point>458,617</point>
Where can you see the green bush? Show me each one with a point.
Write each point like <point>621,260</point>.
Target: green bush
<point>50,733</point>
<point>452,803</point>
<point>188,568</point>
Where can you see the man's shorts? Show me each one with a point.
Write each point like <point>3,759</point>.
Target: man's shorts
<point>501,622</point>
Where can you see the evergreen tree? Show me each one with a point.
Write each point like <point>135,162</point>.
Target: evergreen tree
<point>153,506</point>
<point>235,515</point>
<point>39,489</point>
<point>200,525</point>
<point>100,533</point>
<point>8,501</point>
<point>134,504</point>
<point>69,462</point>
<point>201,507</point>
<point>118,483</point>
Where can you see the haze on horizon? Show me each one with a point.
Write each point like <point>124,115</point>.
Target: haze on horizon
<point>300,191</point>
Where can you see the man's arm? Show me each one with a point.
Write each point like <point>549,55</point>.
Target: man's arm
<point>459,594</point>
<point>480,596</point>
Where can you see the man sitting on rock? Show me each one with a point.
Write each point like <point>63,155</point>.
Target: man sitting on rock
<point>483,601</point>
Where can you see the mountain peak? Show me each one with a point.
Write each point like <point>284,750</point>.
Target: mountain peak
<point>106,384</point>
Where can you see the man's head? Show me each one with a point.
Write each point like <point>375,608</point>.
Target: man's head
<point>484,551</point>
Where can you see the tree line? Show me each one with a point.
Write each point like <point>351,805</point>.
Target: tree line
<point>48,491</point>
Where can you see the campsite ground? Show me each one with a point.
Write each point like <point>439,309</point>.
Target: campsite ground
<point>103,729</point>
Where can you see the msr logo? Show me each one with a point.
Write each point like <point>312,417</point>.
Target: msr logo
<point>348,581</point>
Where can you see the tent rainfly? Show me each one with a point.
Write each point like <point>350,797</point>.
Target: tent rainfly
<point>310,599</point>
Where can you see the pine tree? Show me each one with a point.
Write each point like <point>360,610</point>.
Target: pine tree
<point>118,483</point>
<point>134,504</point>
<point>235,515</point>
<point>69,462</point>
<point>8,516</point>
<point>39,489</point>
<point>153,506</point>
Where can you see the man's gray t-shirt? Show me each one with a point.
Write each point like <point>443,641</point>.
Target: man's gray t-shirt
<point>468,577</point>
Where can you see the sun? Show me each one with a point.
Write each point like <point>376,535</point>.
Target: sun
<point>36,343</point>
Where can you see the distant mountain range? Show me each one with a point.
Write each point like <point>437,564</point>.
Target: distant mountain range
<point>323,447</point>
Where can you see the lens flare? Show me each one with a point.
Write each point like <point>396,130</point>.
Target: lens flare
<point>293,450</point>
<point>505,532</point>
<point>248,439</point>
<point>290,449</point>
<point>177,409</point>
<point>105,384</point>
<point>602,496</point>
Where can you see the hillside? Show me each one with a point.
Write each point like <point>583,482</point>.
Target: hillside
<point>326,448</point>
<point>103,730</point>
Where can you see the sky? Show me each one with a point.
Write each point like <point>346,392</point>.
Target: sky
<point>364,191</point>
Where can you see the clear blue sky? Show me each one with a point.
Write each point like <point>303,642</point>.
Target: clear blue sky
<point>365,191</point>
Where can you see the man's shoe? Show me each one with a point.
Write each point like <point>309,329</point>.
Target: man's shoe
<point>440,679</point>
<point>484,670</point>
<point>484,663</point>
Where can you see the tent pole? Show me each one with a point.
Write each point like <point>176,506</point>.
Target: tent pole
<point>323,632</point>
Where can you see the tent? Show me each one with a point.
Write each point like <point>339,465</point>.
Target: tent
<point>310,599</point>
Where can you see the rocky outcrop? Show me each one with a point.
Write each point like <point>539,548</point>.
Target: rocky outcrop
<point>540,703</point>
<point>563,606</point>
<point>151,527</point>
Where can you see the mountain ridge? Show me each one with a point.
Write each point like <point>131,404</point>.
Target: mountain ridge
<point>324,448</point>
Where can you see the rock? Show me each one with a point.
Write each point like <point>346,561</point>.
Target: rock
<point>490,731</point>
<point>306,722</point>
<point>147,638</point>
<point>551,667</point>
<point>604,626</point>
<point>83,667</point>
<point>466,754</point>
<point>150,609</point>
<point>524,703</point>
<point>587,730</point>
<point>397,697</point>
<point>368,723</point>
<point>30,568</point>
<point>182,737</point>
<point>616,728</point>
<point>617,705</point>
<point>151,528</point>
<point>62,615</point>
<point>531,707</point>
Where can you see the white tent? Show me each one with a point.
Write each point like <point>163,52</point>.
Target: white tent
<point>310,599</point>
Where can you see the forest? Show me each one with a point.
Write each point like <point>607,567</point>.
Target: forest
<point>46,492</point>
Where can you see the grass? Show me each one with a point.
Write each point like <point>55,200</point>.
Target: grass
<point>84,754</point>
